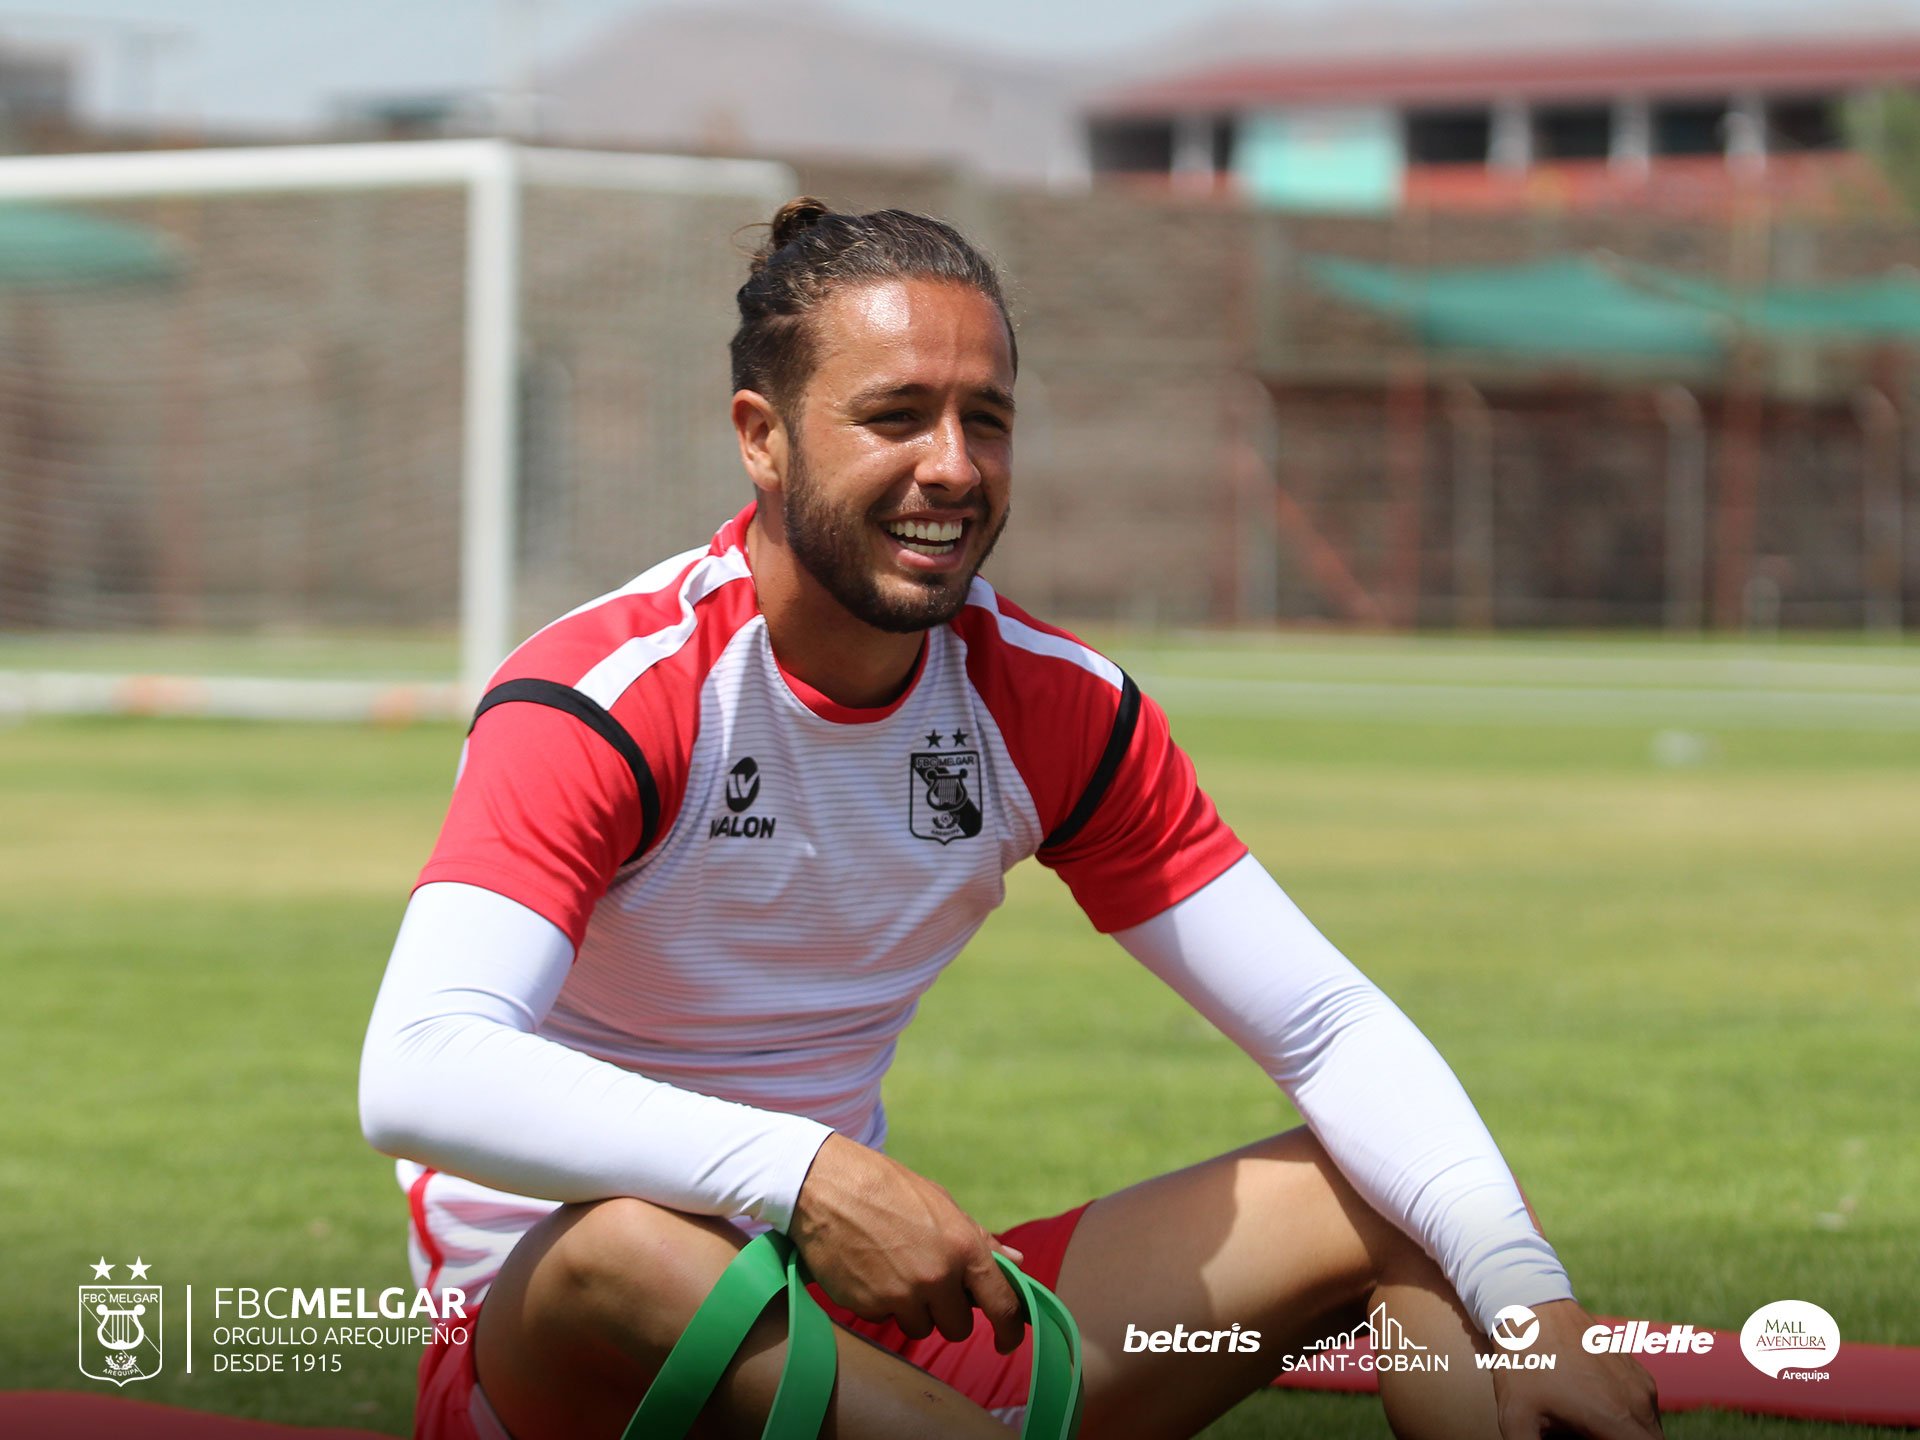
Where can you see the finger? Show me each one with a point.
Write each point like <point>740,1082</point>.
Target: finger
<point>1019,1257</point>
<point>914,1321</point>
<point>952,1313</point>
<point>995,1296</point>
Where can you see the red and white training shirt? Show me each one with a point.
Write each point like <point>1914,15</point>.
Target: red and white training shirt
<point>762,883</point>
<point>683,907</point>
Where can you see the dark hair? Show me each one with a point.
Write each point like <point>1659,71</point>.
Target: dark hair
<point>810,252</point>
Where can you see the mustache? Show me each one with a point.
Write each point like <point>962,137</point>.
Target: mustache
<point>974,507</point>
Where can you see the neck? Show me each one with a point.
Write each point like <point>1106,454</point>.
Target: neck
<point>813,636</point>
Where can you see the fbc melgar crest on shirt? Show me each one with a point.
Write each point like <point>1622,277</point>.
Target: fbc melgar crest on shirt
<point>760,884</point>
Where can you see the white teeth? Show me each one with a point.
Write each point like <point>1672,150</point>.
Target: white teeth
<point>939,532</point>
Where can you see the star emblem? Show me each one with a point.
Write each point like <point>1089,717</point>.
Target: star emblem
<point>102,1270</point>
<point>933,737</point>
<point>138,1270</point>
<point>959,737</point>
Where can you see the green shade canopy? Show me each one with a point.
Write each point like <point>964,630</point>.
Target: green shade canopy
<point>1580,307</point>
<point>45,247</point>
<point>1569,306</point>
<point>1885,307</point>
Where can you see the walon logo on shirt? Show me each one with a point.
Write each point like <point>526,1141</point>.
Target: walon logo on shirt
<point>939,805</point>
<point>743,788</point>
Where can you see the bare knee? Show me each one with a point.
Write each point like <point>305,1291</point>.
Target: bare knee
<point>632,1270</point>
<point>587,1307</point>
<point>1364,1248</point>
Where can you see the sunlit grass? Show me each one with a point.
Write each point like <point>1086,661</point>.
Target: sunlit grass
<point>1679,981</point>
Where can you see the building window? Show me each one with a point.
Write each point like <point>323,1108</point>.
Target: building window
<point>1690,127</point>
<point>1572,132</point>
<point>1131,147</point>
<point>1449,137</point>
<point>1805,122</point>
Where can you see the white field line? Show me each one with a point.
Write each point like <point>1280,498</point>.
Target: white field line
<point>1750,708</point>
<point>227,697</point>
<point>1894,670</point>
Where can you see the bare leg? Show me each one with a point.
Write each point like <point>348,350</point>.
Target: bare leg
<point>594,1297</point>
<point>1272,1237</point>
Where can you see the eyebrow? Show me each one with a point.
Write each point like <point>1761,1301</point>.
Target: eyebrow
<point>991,394</point>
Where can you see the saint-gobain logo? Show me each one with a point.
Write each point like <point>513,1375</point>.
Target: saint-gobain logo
<point>120,1331</point>
<point>1790,1336</point>
<point>743,785</point>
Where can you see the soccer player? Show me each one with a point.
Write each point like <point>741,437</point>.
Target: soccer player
<point>716,832</point>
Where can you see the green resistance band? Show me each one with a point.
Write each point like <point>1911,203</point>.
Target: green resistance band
<point>770,1264</point>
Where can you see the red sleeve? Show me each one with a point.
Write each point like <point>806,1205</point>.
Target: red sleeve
<point>544,811</point>
<point>1153,837</point>
<point>1123,817</point>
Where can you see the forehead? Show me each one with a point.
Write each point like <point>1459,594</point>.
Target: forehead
<point>933,333</point>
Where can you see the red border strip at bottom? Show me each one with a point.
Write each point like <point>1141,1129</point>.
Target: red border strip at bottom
<point>1869,1384</point>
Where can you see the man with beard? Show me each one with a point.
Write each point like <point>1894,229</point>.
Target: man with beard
<point>713,836</point>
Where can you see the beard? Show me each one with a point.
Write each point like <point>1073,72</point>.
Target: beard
<point>832,543</point>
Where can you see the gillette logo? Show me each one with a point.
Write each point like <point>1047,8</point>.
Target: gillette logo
<point>1182,1341</point>
<point>1637,1337</point>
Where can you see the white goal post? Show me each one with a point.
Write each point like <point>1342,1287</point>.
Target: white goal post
<point>495,178</point>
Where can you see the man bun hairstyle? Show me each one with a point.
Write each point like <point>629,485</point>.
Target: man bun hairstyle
<point>811,251</point>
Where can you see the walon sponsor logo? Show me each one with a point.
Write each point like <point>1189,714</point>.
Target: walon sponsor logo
<point>743,788</point>
<point>1637,1337</point>
<point>1790,1340</point>
<point>1515,1328</point>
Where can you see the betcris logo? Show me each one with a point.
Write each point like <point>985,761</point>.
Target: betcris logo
<point>1182,1341</point>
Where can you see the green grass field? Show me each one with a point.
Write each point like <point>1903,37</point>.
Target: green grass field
<point>1655,902</point>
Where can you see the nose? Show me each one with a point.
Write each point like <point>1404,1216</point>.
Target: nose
<point>947,461</point>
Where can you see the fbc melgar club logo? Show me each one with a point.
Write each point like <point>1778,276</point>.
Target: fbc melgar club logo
<point>120,1325</point>
<point>1790,1340</point>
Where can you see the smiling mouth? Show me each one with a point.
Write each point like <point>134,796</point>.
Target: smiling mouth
<point>933,538</point>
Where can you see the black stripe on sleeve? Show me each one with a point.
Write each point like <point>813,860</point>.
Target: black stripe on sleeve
<point>598,719</point>
<point>1121,736</point>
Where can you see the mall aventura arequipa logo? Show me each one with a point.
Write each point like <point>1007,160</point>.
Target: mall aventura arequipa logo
<point>120,1324</point>
<point>1790,1340</point>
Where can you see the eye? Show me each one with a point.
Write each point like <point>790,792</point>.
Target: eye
<point>893,417</point>
<point>990,420</point>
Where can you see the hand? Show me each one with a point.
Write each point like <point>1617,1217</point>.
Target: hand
<point>885,1242</point>
<point>1601,1397</point>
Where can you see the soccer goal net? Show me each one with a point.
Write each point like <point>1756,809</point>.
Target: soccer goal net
<point>323,431</point>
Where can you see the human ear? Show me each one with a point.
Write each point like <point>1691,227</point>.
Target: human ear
<point>763,440</point>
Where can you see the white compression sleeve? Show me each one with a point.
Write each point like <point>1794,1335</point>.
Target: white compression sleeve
<point>1372,1087</point>
<point>453,1077</point>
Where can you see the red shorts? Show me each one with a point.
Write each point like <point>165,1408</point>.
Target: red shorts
<point>451,1406</point>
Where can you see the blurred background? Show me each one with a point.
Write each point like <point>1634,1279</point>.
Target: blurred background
<point>1468,314</point>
